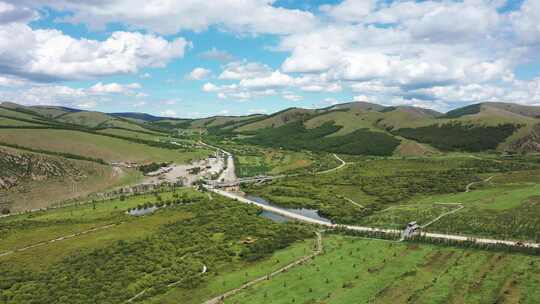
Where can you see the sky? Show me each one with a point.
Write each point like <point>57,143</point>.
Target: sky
<point>194,58</point>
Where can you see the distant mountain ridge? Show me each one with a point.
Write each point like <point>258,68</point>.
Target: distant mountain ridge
<point>478,127</point>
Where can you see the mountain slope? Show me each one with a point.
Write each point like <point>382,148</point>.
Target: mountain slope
<point>478,127</point>
<point>51,111</point>
<point>140,117</point>
<point>481,127</point>
<point>33,180</point>
<point>279,119</point>
<point>86,119</point>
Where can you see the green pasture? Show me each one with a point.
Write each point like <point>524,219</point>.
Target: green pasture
<point>354,270</point>
<point>95,146</point>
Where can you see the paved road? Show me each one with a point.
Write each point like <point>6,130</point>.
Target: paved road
<point>302,218</point>
<point>228,175</point>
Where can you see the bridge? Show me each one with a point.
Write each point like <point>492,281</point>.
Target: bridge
<point>239,181</point>
<point>413,228</point>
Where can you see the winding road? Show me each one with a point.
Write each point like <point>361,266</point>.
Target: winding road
<point>343,164</point>
<point>487,180</point>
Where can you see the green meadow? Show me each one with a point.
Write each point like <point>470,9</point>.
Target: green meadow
<point>354,270</point>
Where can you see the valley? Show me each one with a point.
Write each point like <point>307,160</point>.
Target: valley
<point>295,207</point>
<point>270,152</point>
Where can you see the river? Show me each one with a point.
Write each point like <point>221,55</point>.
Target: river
<point>310,213</point>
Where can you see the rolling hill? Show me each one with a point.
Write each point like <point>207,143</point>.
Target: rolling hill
<point>482,127</point>
<point>62,117</point>
<point>279,119</point>
<point>501,127</point>
<point>31,180</point>
<point>51,154</point>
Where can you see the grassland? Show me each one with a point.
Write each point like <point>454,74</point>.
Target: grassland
<point>44,193</point>
<point>295,136</point>
<point>278,119</point>
<point>17,115</point>
<point>133,254</point>
<point>147,135</point>
<point>354,270</point>
<point>253,160</point>
<point>390,193</point>
<point>34,180</point>
<point>96,146</point>
<point>87,119</point>
<point>507,206</point>
<point>234,276</point>
<point>8,122</point>
<point>49,111</point>
<point>349,121</point>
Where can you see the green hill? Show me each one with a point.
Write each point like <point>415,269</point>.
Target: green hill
<point>109,149</point>
<point>86,119</point>
<point>222,121</point>
<point>51,111</point>
<point>14,115</point>
<point>475,128</point>
<point>279,119</point>
<point>480,127</point>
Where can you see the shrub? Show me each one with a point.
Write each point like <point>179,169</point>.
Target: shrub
<point>295,136</point>
<point>457,136</point>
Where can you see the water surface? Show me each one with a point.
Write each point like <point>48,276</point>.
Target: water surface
<point>311,213</point>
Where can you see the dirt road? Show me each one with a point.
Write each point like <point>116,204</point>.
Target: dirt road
<point>318,250</point>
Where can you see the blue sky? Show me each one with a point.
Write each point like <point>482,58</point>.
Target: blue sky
<point>194,59</point>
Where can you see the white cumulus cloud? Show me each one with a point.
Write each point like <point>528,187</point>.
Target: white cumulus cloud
<point>45,55</point>
<point>199,74</point>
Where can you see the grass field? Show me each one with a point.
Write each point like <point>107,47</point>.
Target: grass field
<point>133,134</point>
<point>96,146</point>
<point>272,162</point>
<point>18,115</point>
<point>53,223</point>
<point>44,193</point>
<point>253,160</point>
<point>40,180</point>
<point>87,119</point>
<point>18,123</point>
<point>354,270</point>
<point>349,121</point>
<point>393,192</point>
<point>508,207</point>
<point>234,276</point>
<point>133,254</point>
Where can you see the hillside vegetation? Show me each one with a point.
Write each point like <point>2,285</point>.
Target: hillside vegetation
<point>295,136</point>
<point>459,137</point>
<point>136,254</point>
<point>53,154</point>
<point>360,126</point>
<point>107,148</point>
<point>356,128</point>
<point>356,270</point>
<point>33,180</point>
